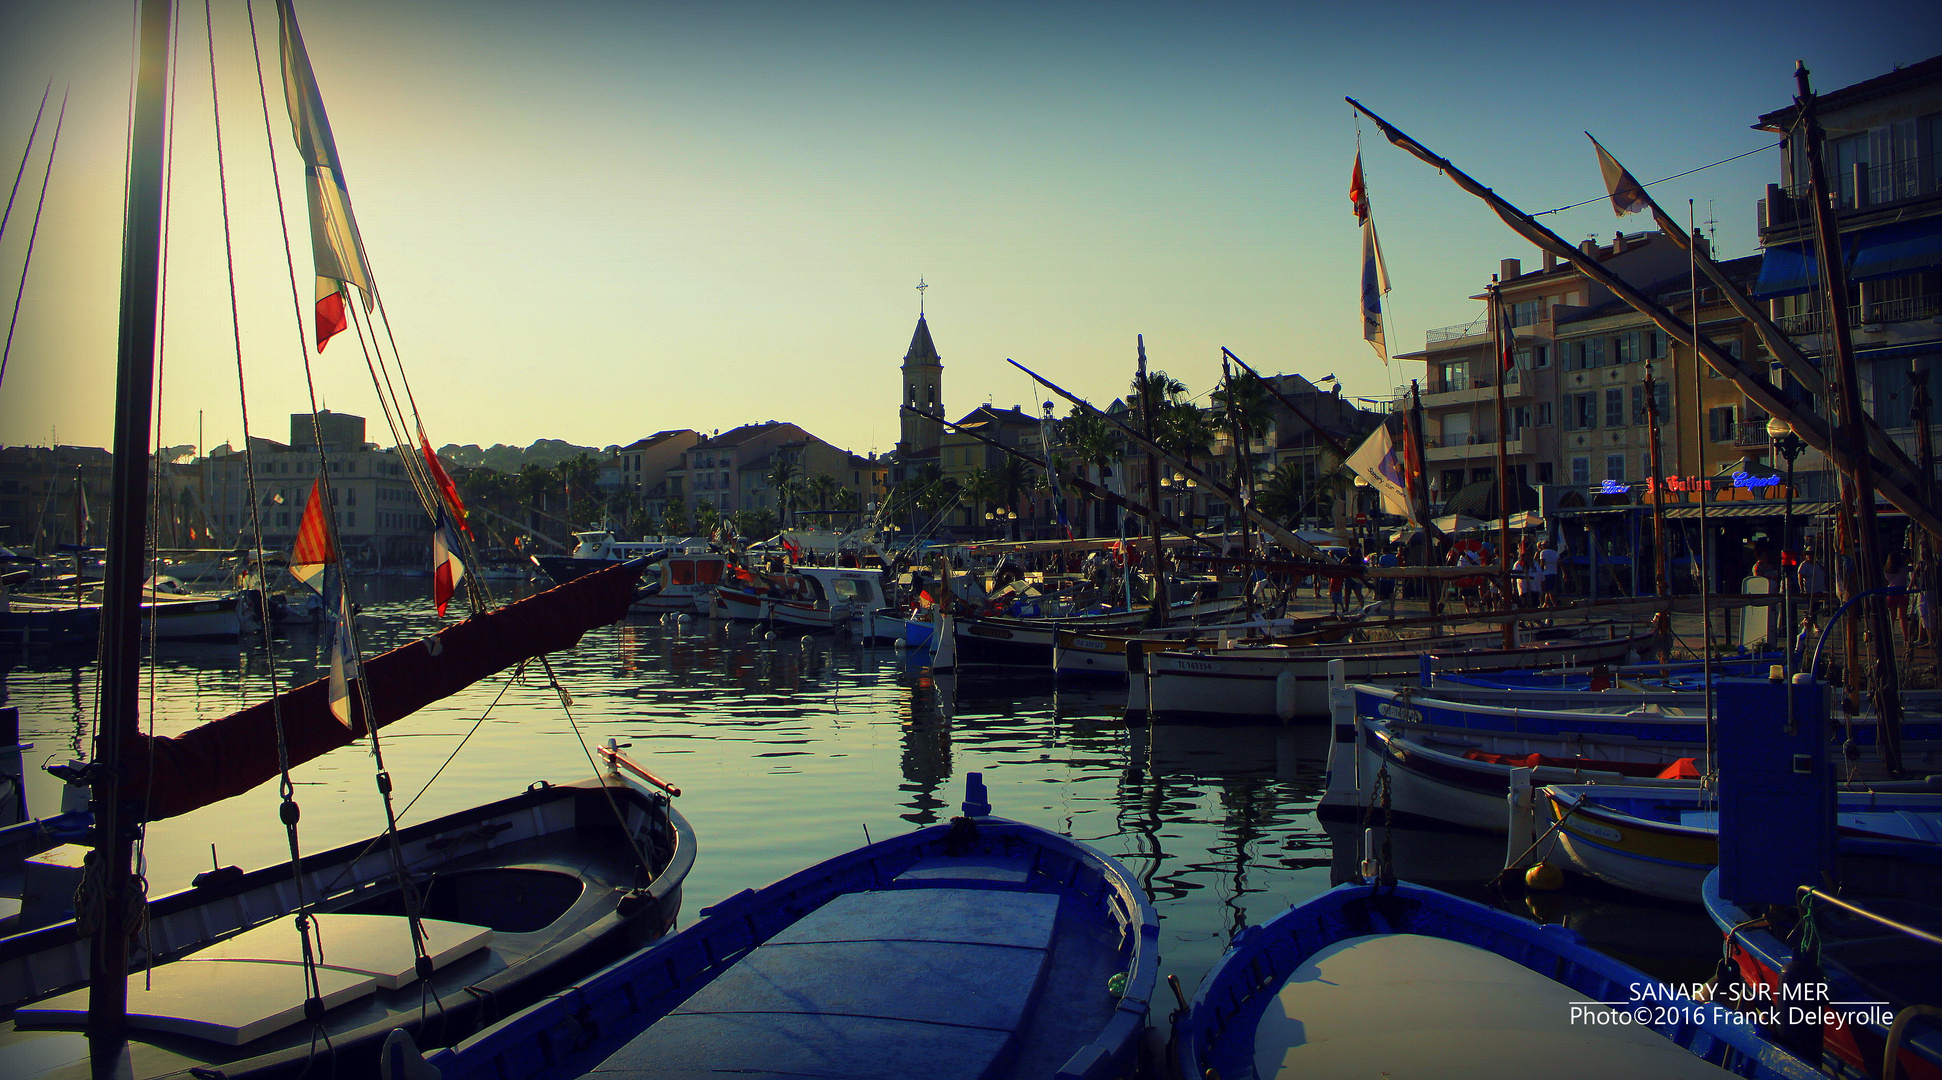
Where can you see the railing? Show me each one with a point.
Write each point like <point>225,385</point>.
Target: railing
<point>1877,185</point>
<point>1903,309</point>
<point>1473,328</point>
<point>1750,433</point>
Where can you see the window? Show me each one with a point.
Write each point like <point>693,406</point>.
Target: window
<point>1581,470</point>
<point>1585,407</point>
<point>1594,352</point>
<point>1544,472</point>
<point>1655,345</point>
<point>1719,424</point>
<point>1625,347</point>
<point>1541,356</point>
<point>1615,467</point>
<point>1645,464</point>
<point>1615,407</point>
<point>1662,397</point>
<point>1456,429</point>
<point>1527,313</point>
<point>1543,414</point>
<point>1638,404</point>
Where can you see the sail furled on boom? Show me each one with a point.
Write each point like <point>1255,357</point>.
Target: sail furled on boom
<point>334,241</point>
<point>231,755</point>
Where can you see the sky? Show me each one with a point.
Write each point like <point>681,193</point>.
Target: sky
<point>595,221</point>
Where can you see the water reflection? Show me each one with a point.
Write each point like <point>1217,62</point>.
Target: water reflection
<point>789,749</point>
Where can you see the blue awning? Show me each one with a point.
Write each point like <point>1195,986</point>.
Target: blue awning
<point>1787,270</point>
<point>1905,247</point>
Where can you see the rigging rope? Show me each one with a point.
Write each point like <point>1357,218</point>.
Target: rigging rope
<point>26,154</point>
<point>27,261</point>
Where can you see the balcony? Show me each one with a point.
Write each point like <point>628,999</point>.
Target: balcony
<point>1464,447</point>
<point>1862,187</point>
<point>1476,327</point>
<point>1470,389</point>
<point>1880,312</point>
<point>1750,435</point>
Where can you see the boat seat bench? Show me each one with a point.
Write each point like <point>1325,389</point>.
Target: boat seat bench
<point>917,979</point>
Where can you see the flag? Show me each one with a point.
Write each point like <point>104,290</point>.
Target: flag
<point>344,666</point>
<point>447,569</point>
<point>1507,335</point>
<point>313,551</point>
<point>334,242</point>
<point>444,482</point>
<point>1379,461</point>
<point>83,519</point>
<point>1375,279</point>
<point>1628,195</point>
<point>1412,471</point>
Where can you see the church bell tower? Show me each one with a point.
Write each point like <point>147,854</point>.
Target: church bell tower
<point>923,389</point>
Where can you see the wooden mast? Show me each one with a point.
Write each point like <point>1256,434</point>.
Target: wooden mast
<point>1504,346</point>
<point>1157,613</point>
<point>116,825</point>
<point>1850,434</point>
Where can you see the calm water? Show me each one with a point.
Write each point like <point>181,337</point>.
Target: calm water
<point>790,751</point>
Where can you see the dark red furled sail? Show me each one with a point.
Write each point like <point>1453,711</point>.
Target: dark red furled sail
<point>231,755</point>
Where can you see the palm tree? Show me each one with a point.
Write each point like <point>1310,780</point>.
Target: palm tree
<point>1282,496</point>
<point>1014,480</point>
<point>784,474</point>
<point>822,487</point>
<point>982,487</point>
<point>1093,440</point>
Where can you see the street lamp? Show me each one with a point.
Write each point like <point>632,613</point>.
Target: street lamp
<point>1780,435</point>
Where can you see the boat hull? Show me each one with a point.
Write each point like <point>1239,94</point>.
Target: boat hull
<point>556,850</point>
<point>1263,685</point>
<point>938,999</point>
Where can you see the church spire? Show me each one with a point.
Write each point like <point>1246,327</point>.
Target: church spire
<point>923,386</point>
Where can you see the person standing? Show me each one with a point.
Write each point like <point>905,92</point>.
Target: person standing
<point>1810,581</point>
<point>1547,562</point>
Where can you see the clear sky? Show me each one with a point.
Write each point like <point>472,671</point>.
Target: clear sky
<point>594,221</point>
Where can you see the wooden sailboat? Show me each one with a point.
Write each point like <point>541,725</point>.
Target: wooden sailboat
<point>436,927</point>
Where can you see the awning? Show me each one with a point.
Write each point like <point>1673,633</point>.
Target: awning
<point>1906,247</point>
<point>1787,270</point>
<point>1763,508</point>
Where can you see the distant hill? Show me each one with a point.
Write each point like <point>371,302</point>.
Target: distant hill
<point>509,459</point>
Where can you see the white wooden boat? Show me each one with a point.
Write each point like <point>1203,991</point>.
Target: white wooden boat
<point>1288,682</point>
<point>1663,842</point>
<point>687,581</point>
<point>810,597</point>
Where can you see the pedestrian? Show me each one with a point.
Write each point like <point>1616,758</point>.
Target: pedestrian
<point>1810,581</point>
<point>1547,561</point>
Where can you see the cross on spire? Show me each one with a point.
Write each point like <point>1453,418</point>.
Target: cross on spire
<point>920,295</point>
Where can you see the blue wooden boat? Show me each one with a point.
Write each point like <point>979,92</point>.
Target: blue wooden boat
<point>1401,980</point>
<point>983,948</point>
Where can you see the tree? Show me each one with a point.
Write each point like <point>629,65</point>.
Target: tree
<point>822,487</point>
<point>1014,480</point>
<point>706,518</point>
<point>784,475</point>
<point>982,488</point>
<point>674,520</point>
<point>1094,441</point>
<point>1283,495</point>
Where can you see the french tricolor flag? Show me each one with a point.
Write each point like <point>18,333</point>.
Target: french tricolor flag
<point>447,569</point>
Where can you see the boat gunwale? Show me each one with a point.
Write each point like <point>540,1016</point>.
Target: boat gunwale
<point>733,922</point>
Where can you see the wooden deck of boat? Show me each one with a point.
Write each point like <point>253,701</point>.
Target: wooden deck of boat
<point>939,979</point>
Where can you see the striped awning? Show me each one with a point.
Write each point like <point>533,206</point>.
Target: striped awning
<point>1760,509</point>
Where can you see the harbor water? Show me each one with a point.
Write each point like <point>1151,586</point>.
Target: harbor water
<point>792,750</point>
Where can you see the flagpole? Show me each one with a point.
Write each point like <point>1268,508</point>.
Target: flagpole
<point>1706,584</point>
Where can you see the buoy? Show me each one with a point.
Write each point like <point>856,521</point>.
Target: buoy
<point>899,643</point>
<point>768,635</point>
<point>1284,695</point>
<point>1544,877</point>
<point>685,618</point>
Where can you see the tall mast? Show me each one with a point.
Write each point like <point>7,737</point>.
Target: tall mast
<point>115,825</point>
<point>1157,614</point>
<point>1850,435</point>
<point>1499,335</point>
<point>1413,431</point>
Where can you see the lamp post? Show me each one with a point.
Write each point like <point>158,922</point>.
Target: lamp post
<point>1780,435</point>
